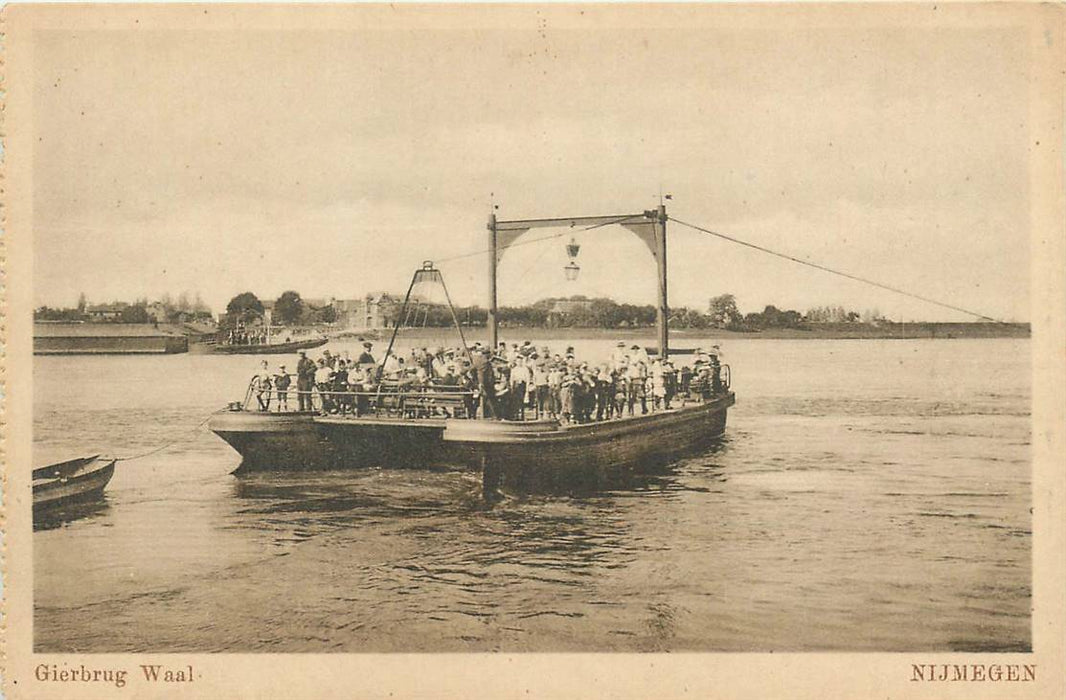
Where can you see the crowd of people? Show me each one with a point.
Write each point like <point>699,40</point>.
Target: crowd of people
<point>248,336</point>
<point>511,382</point>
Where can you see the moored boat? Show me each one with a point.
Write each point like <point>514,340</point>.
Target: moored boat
<point>71,481</point>
<point>268,348</point>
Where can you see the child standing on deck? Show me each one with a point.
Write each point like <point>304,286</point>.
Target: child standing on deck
<point>281,383</point>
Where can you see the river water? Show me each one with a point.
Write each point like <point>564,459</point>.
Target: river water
<point>869,496</point>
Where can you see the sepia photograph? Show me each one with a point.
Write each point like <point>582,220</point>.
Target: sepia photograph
<point>497,331</point>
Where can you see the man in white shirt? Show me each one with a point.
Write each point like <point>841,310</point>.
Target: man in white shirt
<point>323,377</point>
<point>262,386</point>
<point>392,366</point>
<point>520,379</point>
<point>540,386</point>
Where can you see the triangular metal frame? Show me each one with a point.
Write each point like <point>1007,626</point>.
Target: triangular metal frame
<point>427,270</point>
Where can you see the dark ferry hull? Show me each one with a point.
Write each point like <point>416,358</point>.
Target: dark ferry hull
<point>544,457</point>
<point>264,349</point>
<point>276,441</point>
<point>529,456</point>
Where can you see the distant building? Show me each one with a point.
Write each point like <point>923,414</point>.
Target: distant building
<point>268,313</point>
<point>106,312</point>
<point>369,312</point>
<point>349,312</point>
<point>563,308</point>
<point>570,306</point>
<point>157,311</point>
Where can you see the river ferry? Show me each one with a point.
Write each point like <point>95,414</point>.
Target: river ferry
<point>440,426</point>
<point>272,344</point>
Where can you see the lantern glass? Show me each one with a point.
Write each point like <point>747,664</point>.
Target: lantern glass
<point>573,248</point>
<point>571,271</point>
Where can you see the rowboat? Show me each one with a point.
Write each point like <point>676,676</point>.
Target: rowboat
<point>74,480</point>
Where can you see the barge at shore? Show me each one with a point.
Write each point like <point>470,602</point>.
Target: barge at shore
<point>56,338</point>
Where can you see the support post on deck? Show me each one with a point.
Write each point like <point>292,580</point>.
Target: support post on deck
<point>663,311</point>
<point>493,259</point>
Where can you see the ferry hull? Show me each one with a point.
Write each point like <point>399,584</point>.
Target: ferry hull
<point>268,441</point>
<point>532,457</point>
<point>535,456</point>
<point>264,349</point>
<point>286,441</point>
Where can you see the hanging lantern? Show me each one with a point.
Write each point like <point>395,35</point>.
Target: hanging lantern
<point>573,248</point>
<point>571,271</point>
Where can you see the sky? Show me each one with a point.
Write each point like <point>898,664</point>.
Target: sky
<point>334,161</point>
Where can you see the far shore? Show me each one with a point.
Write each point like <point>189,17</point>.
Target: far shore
<point>689,336</point>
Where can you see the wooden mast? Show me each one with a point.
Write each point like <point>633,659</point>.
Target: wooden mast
<point>494,339</point>
<point>662,314</point>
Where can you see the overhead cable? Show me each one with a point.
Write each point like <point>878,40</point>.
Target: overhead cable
<point>839,273</point>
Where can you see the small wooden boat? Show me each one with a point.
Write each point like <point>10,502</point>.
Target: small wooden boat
<point>74,480</point>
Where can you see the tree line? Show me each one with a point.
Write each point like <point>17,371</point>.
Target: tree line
<point>723,313</point>
<point>554,312</point>
<point>577,311</point>
<point>290,309</point>
<point>167,309</point>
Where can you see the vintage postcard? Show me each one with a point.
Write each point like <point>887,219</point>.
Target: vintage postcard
<point>533,350</point>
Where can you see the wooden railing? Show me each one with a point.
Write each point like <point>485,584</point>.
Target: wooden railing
<point>385,400</point>
<point>404,400</point>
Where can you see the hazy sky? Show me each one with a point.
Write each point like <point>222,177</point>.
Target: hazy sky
<point>334,162</point>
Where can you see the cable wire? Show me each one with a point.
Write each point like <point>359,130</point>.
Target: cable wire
<point>169,444</point>
<point>840,273</point>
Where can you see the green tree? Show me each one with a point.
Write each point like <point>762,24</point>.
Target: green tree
<point>243,308</point>
<point>134,313</point>
<point>288,308</point>
<point>723,311</point>
<point>199,307</point>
